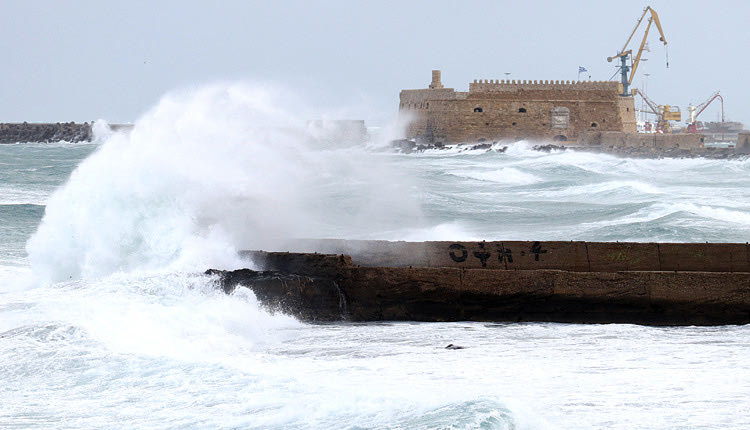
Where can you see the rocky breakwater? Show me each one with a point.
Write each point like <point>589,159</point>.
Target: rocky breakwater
<point>45,132</point>
<point>581,282</point>
<point>629,145</point>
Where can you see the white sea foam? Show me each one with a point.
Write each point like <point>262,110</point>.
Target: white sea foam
<point>138,342</point>
<point>101,131</point>
<point>658,211</point>
<point>627,190</point>
<point>202,174</point>
<point>14,195</point>
<point>444,231</point>
<point>509,176</point>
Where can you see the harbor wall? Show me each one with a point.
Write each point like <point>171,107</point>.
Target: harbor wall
<point>575,256</point>
<point>743,143</point>
<point>594,282</point>
<point>646,142</point>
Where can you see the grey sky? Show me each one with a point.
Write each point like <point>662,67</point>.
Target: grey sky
<point>83,60</point>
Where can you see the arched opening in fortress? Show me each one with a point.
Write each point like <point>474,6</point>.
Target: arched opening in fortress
<point>522,110</point>
<point>477,109</point>
<point>593,124</point>
<point>559,138</point>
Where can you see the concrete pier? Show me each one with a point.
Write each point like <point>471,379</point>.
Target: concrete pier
<point>582,282</point>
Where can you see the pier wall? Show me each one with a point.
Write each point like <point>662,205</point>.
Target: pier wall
<point>597,282</point>
<point>574,256</point>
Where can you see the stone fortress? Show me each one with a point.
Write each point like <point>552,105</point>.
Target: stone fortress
<point>508,109</point>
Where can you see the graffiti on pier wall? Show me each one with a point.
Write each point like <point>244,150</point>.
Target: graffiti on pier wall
<point>595,256</point>
<point>483,253</point>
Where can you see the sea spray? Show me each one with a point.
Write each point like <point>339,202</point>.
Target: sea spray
<point>202,174</point>
<point>168,350</point>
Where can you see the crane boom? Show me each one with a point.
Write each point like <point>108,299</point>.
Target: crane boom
<point>655,17</point>
<point>625,52</point>
<point>694,111</point>
<point>701,107</point>
<point>654,107</point>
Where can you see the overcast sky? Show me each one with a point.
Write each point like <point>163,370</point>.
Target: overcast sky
<point>85,60</point>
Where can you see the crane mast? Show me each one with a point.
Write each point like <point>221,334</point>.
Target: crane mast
<point>694,111</point>
<point>625,52</point>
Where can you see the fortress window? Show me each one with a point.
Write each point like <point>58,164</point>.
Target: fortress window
<point>522,110</point>
<point>559,117</point>
<point>477,109</point>
<point>514,124</point>
<point>593,124</point>
<point>486,123</point>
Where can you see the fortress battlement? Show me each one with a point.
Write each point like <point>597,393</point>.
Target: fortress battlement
<point>492,85</point>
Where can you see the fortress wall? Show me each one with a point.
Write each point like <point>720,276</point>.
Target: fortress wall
<point>626,108</point>
<point>416,104</point>
<point>495,110</point>
<point>516,116</point>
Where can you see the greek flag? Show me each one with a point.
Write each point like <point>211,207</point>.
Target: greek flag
<point>581,69</point>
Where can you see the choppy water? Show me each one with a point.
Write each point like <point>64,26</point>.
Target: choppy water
<point>106,322</point>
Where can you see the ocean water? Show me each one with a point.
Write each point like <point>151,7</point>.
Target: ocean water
<point>106,320</point>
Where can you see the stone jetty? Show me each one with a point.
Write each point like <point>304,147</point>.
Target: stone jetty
<point>577,282</point>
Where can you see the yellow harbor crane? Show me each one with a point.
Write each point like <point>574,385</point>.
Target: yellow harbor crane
<point>664,113</point>
<point>625,52</point>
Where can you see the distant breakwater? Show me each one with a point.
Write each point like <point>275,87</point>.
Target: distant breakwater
<point>45,132</point>
<point>24,132</point>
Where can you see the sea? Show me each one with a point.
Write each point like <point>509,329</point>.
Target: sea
<point>108,321</point>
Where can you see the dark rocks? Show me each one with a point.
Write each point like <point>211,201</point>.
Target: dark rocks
<point>548,148</point>
<point>309,298</point>
<point>44,132</point>
<point>406,146</point>
<point>485,146</point>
